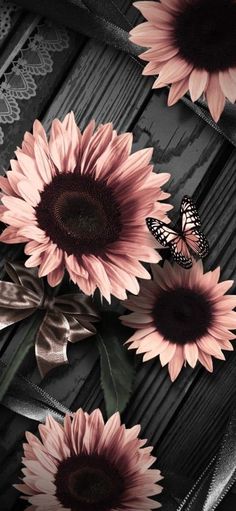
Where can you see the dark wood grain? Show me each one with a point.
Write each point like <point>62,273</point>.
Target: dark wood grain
<point>212,395</point>
<point>118,90</point>
<point>184,421</point>
<point>155,400</point>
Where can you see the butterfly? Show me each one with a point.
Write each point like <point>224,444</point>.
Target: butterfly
<point>190,240</point>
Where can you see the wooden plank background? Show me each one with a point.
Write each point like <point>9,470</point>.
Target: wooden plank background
<point>185,420</point>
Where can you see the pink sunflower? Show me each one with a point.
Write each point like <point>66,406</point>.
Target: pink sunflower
<point>192,45</point>
<point>88,466</point>
<point>182,316</point>
<point>79,201</point>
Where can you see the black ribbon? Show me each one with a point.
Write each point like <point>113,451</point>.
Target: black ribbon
<point>105,22</point>
<point>29,400</point>
<point>75,15</point>
<point>219,476</point>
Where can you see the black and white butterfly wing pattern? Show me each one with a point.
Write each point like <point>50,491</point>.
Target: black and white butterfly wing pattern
<point>191,222</point>
<point>168,238</point>
<point>189,213</point>
<point>180,253</point>
<point>161,231</point>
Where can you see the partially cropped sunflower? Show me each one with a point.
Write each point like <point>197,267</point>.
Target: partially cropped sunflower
<point>87,465</point>
<point>192,47</point>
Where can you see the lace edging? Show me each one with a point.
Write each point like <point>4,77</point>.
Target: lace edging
<point>19,82</point>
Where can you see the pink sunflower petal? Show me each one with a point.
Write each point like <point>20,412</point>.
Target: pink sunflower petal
<point>206,360</point>
<point>44,163</point>
<point>153,13</point>
<point>28,192</point>
<point>215,97</point>
<point>11,235</point>
<point>75,139</point>
<point>176,363</point>
<point>6,186</point>
<point>174,70</point>
<point>51,260</point>
<point>197,83</point>
<point>55,276</point>
<point>177,91</point>
<point>167,355</point>
<point>228,86</point>
<point>191,353</point>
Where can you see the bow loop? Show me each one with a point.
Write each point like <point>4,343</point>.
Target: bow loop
<point>24,277</point>
<point>51,342</point>
<point>14,296</point>
<point>67,317</point>
<point>80,329</point>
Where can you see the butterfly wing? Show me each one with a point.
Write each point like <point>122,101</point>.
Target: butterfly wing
<point>162,232</point>
<point>168,238</point>
<point>197,242</point>
<point>180,253</point>
<point>191,222</point>
<point>189,213</point>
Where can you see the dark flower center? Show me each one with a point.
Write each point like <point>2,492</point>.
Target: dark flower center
<point>182,315</point>
<point>205,34</point>
<point>88,483</point>
<point>79,214</point>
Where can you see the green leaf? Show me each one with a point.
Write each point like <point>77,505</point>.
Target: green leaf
<point>117,364</point>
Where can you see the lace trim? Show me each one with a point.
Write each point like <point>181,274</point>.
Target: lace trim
<point>6,9</point>
<point>33,60</point>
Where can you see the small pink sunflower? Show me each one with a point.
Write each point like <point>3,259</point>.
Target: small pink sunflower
<point>88,466</point>
<point>79,201</point>
<point>182,316</point>
<point>192,46</point>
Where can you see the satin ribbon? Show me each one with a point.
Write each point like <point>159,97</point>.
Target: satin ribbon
<point>28,400</point>
<point>218,478</point>
<point>104,21</point>
<point>68,318</point>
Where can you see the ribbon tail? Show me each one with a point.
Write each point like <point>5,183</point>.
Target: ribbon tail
<point>11,316</point>
<point>51,342</point>
<point>80,330</point>
<point>27,399</point>
<point>109,11</point>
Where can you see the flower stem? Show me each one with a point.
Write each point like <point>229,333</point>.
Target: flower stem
<point>19,355</point>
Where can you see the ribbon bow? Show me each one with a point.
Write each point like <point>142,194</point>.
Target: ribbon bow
<point>67,317</point>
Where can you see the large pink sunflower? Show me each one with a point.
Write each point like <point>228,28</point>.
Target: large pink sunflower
<point>79,201</point>
<point>88,466</point>
<point>192,46</point>
<point>182,316</point>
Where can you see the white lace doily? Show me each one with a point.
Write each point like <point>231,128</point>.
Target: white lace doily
<point>34,59</point>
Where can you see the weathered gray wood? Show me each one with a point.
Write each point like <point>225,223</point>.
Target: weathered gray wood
<point>206,409</point>
<point>118,90</point>
<point>34,107</point>
<point>108,86</point>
